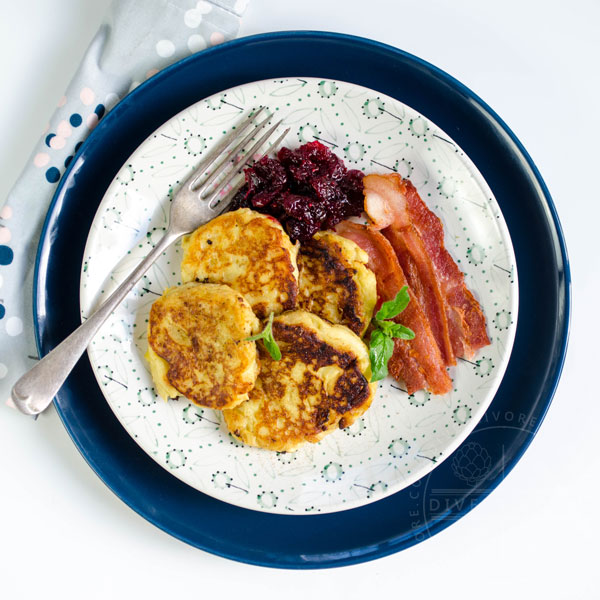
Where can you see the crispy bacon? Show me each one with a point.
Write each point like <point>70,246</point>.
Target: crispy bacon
<point>465,317</point>
<point>421,276</point>
<point>419,362</point>
<point>387,206</point>
<point>417,236</point>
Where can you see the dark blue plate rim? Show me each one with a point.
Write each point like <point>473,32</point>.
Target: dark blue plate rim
<point>311,552</point>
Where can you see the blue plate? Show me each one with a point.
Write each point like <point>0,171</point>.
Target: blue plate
<point>516,412</point>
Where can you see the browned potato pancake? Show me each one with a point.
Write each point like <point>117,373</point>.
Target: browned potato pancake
<point>320,384</point>
<point>196,345</point>
<point>248,251</point>
<point>335,282</point>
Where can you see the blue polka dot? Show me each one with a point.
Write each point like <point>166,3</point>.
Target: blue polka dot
<point>68,160</point>
<point>6,255</point>
<point>78,145</point>
<point>52,174</point>
<point>99,110</point>
<point>75,120</point>
<point>2,310</point>
<point>48,138</point>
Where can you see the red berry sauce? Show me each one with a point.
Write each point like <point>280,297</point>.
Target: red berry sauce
<point>306,189</point>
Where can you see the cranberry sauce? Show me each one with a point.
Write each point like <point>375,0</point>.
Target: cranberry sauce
<point>306,189</point>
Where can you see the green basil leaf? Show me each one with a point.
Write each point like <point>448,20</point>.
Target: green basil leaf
<point>253,338</point>
<point>394,307</point>
<point>381,348</point>
<point>399,331</point>
<point>266,335</point>
<point>385,326</point>
<point>272,347</point>
<point>376,338</point>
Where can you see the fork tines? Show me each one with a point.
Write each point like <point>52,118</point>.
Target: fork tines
<point>227,159</point>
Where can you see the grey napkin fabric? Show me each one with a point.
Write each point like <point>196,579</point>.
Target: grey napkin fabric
<point>137,39</point>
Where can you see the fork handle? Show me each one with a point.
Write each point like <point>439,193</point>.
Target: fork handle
<point>35,390</point>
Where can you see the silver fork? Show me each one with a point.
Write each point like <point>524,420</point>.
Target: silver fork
<point>203,196</point>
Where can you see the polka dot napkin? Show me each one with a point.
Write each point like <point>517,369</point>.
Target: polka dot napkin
<point>137,40</point>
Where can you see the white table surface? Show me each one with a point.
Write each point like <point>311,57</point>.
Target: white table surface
<point>65,535</point>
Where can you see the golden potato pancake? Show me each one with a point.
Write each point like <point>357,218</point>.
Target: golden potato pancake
<point>196,345</point>
<point>320,384</point>
<point>251,253</point>
<point>335,282</point>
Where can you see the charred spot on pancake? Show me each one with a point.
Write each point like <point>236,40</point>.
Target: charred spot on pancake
<point>320,380</point>
<point>318,257</point>
<point>321,417</point>
<point>305,344</point>
<point>335,282</point>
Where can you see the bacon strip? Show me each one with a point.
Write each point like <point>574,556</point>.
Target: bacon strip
<point>417,362</point>
<point>386,204</point>
<point>417,236</point>
<point>421,276</point>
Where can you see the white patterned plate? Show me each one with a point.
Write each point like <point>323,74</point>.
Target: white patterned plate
<point>400,438</point>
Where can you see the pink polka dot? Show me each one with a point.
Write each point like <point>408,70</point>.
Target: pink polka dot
<point>62,101</point>
<point>151,73</point>
<point>87,96</point>
<point>6,213</point>
<point>4,235</point>
<point>57,142</point>
<point>91,121</point>
<point>64,129</point>
<point>41,159</point>
<point>216,37</point>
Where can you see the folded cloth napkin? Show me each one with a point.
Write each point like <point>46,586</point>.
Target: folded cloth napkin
<point>137,39</point>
